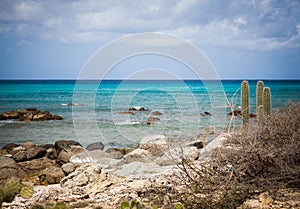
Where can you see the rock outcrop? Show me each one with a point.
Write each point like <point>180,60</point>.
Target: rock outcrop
<point>29,114</point>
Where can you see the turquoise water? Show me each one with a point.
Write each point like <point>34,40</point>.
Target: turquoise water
<point>95,116</point>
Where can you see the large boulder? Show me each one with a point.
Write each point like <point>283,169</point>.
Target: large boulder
<point>65,155</point>
<point>218,142</point>
<point>138,155</point>
<point>82,176</point>
<point>95,146</point>
<point>155,144</point>
<point>35,166</point>
<point>9,168</point>
<point>65,144</point>
<point>51,175</point>
<point>27,151</point>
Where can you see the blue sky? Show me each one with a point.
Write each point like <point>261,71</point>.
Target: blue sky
<point>244,39</point>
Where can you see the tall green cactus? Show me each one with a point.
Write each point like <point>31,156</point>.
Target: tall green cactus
<point>267,101</point>
<point>245,102</point>
<point>259,94</point>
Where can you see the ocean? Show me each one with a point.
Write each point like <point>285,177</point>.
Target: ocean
<point>99,110</point>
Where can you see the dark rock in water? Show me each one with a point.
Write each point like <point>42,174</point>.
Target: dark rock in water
<point>152,119</point>
<point>156,113</point>
<point>95,146</point>
<point>207,113</point>
<point>29,114</point>
<point>51,175</point>
<point>138,109</point>
<point>252,115</point>
<point>62,144</point>
<point>126,113</point>
<point>9,168</point>
<point>235,113</point>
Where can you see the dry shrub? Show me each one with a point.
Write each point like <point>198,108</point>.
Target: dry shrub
<point>261,157</point>
<point>269,152</point>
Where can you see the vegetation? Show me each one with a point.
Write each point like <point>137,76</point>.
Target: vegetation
<point>262,157</point>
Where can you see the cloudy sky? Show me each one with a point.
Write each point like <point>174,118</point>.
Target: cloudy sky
<point>244,39</point>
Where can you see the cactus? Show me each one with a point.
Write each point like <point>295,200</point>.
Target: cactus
<point>26,192</point>
<point>260,112</point>
<point>245,102</point>
<point>267,101</point>
<point>135,204</point>
<point>11,188</point>
<point>259,94</point>
<point>125,205</point>
<point>60,205</point>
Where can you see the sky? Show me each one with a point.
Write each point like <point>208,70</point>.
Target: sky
<point>243,39</point>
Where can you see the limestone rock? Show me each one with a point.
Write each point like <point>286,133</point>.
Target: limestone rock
<point>82,176</point>
<point>68,168</point>
<point>155,144</point>
<point>138,155</point>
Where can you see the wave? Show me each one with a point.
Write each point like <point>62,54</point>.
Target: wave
<point>128,122</point>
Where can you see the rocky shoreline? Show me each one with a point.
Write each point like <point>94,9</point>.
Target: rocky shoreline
<point>66,171</point>
<point>95,177</point>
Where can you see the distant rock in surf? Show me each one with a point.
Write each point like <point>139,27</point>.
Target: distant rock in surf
<point>29,114</point>
<point>138,109</point>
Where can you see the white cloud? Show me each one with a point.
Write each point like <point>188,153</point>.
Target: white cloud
<point>256,24</point>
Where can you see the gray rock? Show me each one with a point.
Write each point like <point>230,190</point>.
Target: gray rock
<point>218,142</point>
<point>139,169</point>
<point>95,146</point>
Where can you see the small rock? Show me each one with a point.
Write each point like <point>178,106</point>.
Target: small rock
<point>126,113</point>
<point>138,109</point>
<point>95,146</point>
<point>235,113</point>
<point>68,168</point>
<point>207,113</point>
<point>156,113</point>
